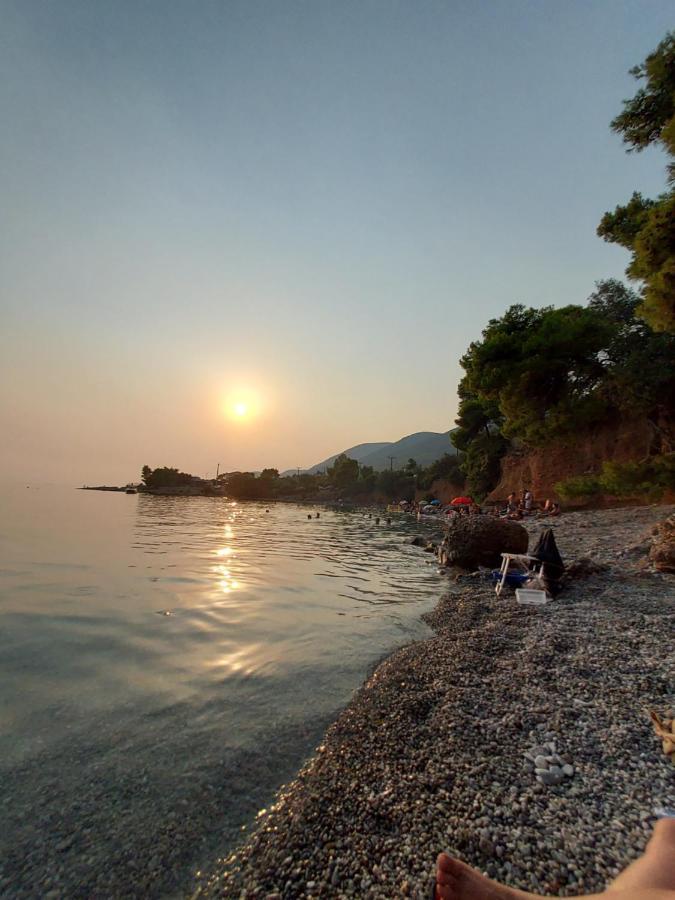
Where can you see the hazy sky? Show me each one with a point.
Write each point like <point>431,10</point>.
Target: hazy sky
<point>313,207</point>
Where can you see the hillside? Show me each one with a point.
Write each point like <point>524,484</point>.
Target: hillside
<point>424,447</point>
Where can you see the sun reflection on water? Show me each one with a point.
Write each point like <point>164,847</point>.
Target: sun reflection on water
<point>238,662</point>
<point>226,582</point>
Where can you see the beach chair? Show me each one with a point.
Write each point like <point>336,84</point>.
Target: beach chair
<point>534,568</point>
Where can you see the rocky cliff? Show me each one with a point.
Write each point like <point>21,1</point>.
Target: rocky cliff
<point>541,469</point>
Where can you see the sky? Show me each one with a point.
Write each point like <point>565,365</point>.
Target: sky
<point>310,208</point>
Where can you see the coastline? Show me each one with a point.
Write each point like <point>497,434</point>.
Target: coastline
<point>429,755</point>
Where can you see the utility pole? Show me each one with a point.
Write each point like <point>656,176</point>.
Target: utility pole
<point>391,463</point>
<point>217,471</point>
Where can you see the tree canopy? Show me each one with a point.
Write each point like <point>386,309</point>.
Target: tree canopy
<point>164,477</point>
<point>647,118</point>
<point>345,479</point>
<point>542,375</point>
<point>647,227</point>
<point>533,374</point>
<point>344,471</point>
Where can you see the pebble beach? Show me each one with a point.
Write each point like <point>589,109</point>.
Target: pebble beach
<point>516,738</point>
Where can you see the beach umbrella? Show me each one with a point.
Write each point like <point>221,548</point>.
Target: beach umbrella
<point>461,501</point>
<point>435,502</point>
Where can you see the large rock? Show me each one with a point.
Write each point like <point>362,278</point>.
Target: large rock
<point>473,541</point>
<point>662,553</point>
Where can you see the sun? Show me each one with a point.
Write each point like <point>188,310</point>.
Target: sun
<point>241,404</point>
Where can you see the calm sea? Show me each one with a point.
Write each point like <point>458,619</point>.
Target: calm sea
<point>167,663</point>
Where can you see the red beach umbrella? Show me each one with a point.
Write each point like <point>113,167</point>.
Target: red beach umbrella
<point>461,501</point>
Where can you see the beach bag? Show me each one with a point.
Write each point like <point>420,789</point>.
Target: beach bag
<point>546,551</point>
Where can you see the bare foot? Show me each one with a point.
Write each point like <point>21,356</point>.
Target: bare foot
<point>655,869</point>
<point>457,881</point>
<point>652,877</point>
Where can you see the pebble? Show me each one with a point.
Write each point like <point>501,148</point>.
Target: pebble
<point>547,777</point>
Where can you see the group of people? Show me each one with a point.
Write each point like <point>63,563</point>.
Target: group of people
<point>518,508</point>
<point>435,508</point>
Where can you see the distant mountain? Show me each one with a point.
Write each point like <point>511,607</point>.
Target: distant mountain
<point>424,447</point>
<point>359,453</point>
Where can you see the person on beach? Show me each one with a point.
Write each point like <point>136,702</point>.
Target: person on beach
<point>527,501</point>
<point>511,504</point>
<point>550,508</point>
<point>651,877</point>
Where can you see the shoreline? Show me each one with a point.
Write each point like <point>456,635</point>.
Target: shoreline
<point>429,754</point>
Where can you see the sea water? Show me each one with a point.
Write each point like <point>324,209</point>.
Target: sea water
<point>166,663</point>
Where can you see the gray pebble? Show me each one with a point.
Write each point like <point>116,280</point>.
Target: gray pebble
<point>549,778</point>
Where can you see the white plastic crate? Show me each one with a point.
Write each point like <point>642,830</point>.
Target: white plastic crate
<point>531,598</point>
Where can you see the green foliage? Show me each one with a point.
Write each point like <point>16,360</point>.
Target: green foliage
<point>244,485</point>
<point>533,375</point>
<point>396,484</point>
<point>654,263</point>
<point>543,375</point>
<point>447,468</point>
<point>647,227</point>
<point>481,463</point>
<point>579,486</point>
<point>344,471</point>
<point>164,477</point>
<point>639,363</point>
<point>269,473</point>
<point>647,117</point>
<point>648,478</point>
<point>346,479</point>
<point>624,224</point>
<point>367,479</point>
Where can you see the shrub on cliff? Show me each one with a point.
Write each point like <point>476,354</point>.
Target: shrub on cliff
<point>649,478</point>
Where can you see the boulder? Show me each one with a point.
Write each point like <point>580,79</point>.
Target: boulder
<point>473,541</point>
<point>662,553</point>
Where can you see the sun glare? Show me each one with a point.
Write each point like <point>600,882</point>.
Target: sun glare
<point>241,404</point>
